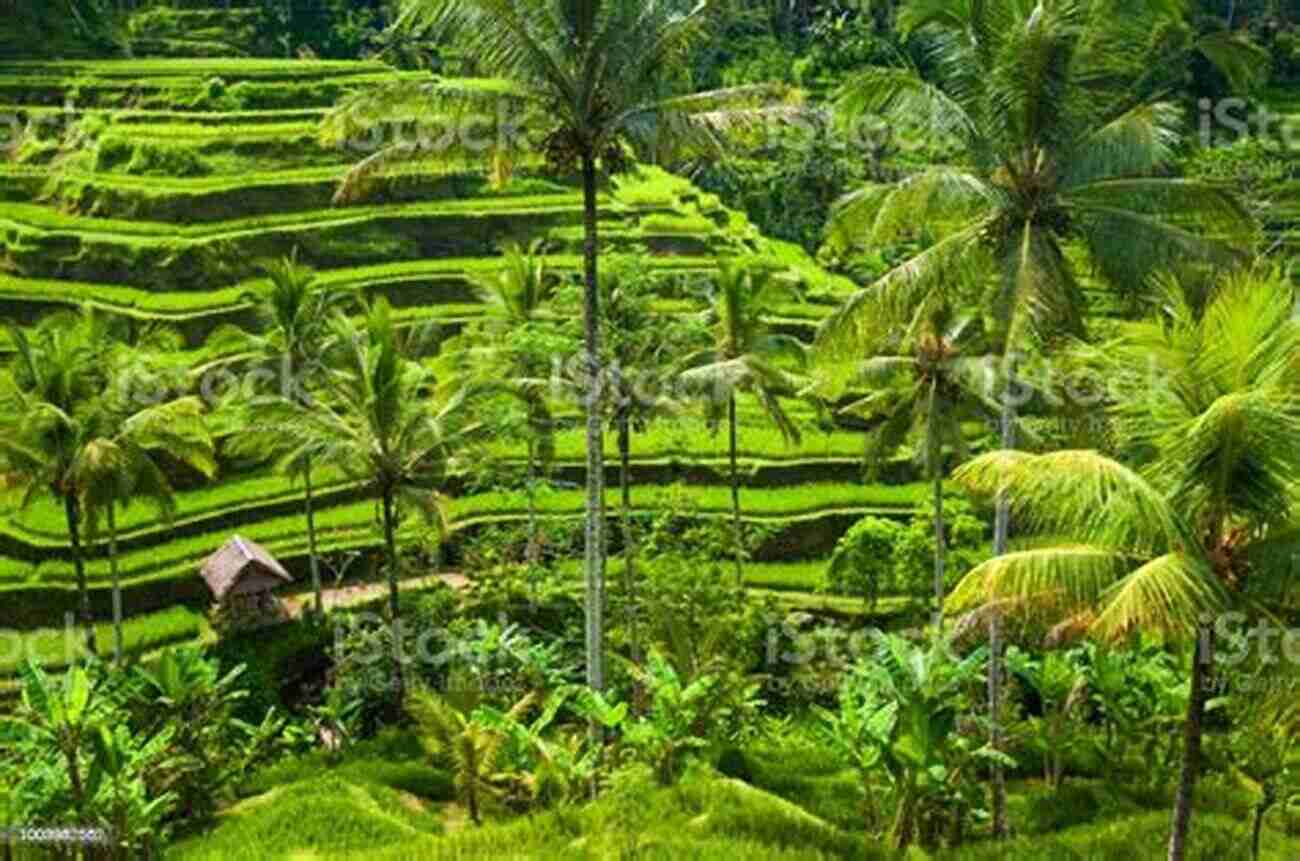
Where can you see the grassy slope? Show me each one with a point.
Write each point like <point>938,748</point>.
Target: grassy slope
<point>331,816</point>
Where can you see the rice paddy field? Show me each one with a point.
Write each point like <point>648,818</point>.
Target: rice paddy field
<point>718,722</point>
<point>150,188</point>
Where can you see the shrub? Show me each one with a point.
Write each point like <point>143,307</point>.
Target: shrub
<point>863,561</point>
<point>278,661</point>
<point>913,554</point>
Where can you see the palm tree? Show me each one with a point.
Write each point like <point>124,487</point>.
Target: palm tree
<point>294,314</point>
<point>455,733</point>
<point>743,358</point>
<point>1212,428</point>
<point>1066,133</point>
<point>49,396</point>
<point>924,385</point>
<point>515,297</point>
<point>517,293</point>
<point>381,420</point>
<point>124,463</point>
<point>596,75</point>
<point>640,344</point>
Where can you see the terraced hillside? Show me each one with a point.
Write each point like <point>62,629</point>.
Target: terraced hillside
<point>150,189</point>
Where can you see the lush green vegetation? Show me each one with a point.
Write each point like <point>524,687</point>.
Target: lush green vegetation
<point>778,430</point>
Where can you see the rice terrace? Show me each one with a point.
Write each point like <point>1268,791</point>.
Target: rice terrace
<point>754,429</point>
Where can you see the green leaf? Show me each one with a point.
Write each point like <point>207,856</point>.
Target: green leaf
<point>76,695</point>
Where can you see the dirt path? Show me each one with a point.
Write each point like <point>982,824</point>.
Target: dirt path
<point>350,596</point>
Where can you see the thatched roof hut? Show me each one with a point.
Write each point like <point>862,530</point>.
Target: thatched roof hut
<point>241,569</point>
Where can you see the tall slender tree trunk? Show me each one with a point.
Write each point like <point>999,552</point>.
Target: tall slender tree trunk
<point>936,473</point>
<point>940,550</point>
<point>314,558</point>
<point>394,611</point>
<point>72,511</point>
<point>594,552</point>
<point>1257,827</point>
<point>1202,656</point>
<point>735,492</point>
<point>1001,534</point>
<point>629,542</point>
<point>117,583</point>
<point>533,553</point>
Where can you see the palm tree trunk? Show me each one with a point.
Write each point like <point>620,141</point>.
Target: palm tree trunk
<point>1001,534</point>
<point>1257,826</point>
<point>629,550</point>
<point>1182,818</point>
<point>940,551</point>
<point>735,492</point>
<point>72,511</point>
<point>117,583</point>
<point>314,559</point>
<point>936,472</point>
<point>594,553</point>
<point>394,612</point>
<point>532,554</point>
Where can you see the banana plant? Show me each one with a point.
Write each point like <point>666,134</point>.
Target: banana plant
<point>899,714</point>
<point>117,775</point>
<point>59,715</point>
<point>1062,689</point>
<point>214,747</point>
<point>549,767</point>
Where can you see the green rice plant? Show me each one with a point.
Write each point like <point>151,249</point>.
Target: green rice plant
<point>394,758</point>
<point>324,814</point>
<point>56,648</point>
<point>705,818</point>
<point>677,225</point>
<point>1214,837</point>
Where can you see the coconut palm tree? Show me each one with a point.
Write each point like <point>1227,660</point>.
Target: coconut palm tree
<point>294,314</point>
<point>595,76</point>
<point>517,293</point>
<point>455,732</point>
<point>924,385</point>
<point>641,345</point>
<point>744,358</point>
<point>1061,112</point>
<point>1209,406</point>
<point>519,334</point>
<point>49,395</point>
<point>382,420</point>
<point>124,462</point>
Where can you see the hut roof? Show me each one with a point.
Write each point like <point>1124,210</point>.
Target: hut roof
<point>237,558</point>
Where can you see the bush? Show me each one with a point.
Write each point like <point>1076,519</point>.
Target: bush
<point>964,535</point>
<point>863,561</point>
<point>279,662</point>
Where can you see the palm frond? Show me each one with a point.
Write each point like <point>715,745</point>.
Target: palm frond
<point>1082,494</point>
